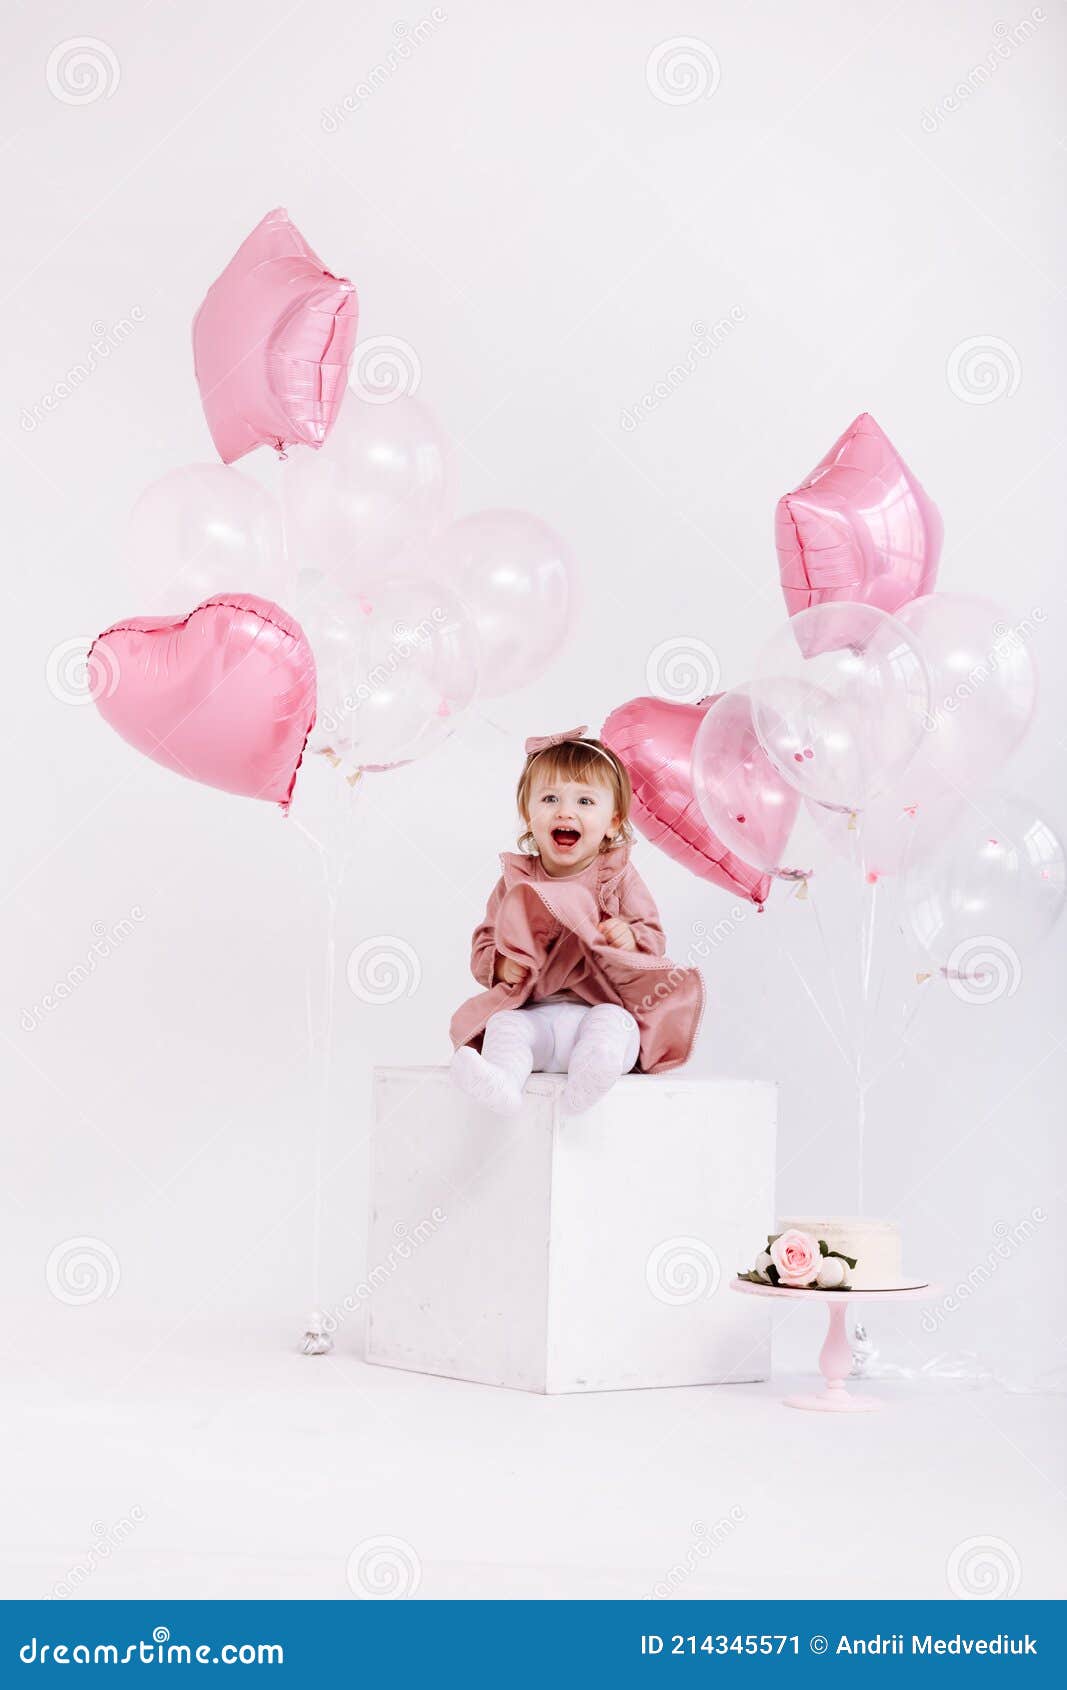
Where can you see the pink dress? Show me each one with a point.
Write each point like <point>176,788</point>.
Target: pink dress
<point>549,924</point>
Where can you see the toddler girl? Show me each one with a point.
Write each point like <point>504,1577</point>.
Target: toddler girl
<point>570,951</point>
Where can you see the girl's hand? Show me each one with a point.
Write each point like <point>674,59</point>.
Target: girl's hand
<point>512,973</point>
<point>618,933</point>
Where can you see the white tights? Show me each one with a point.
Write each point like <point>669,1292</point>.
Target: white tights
<point>592,1045</point>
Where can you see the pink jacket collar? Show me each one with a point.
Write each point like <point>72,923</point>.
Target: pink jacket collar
<point>610,867</point>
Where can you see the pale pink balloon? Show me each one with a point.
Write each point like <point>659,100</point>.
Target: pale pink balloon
<point>859,527</point>
<point>517,579</point>
<point>271,343</point>
<point>198,529</point>
<point>742,797</point>
<point>224,695</point>
<point>653,738</point>
<point>378,490</point>
<point>983,683</point>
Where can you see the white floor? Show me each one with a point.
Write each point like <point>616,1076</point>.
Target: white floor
<point>227,1467</point>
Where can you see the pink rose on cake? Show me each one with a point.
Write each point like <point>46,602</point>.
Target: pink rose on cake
<point>798,1261</point>
<point>796,1255</point>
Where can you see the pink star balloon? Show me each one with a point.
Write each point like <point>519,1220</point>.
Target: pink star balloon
<point>271,344</point>
<point>858,528</point>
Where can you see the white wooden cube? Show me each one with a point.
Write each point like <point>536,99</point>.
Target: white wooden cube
<point>584,1253</point>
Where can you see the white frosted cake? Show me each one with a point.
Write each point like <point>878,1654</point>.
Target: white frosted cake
<point>875,1245</point>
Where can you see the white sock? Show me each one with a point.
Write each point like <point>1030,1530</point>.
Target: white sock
<point>495,1078</point>
<point>606,1047</point>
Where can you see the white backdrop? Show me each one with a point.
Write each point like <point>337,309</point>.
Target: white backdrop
<point>517,201</point>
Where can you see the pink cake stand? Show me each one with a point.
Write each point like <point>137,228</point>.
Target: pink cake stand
<point>835,1357</point>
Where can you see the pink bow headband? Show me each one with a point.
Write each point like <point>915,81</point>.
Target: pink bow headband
<point>545,742</point>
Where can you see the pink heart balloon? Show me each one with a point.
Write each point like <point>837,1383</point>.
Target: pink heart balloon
<point>653,738</point>
<point>271,343</point>
<point>225,695</point>
<point>858,528</point>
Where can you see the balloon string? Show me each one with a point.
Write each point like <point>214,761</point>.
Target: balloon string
<point>820,1012</point>
<point>829,957</point>
<point>335,853</point>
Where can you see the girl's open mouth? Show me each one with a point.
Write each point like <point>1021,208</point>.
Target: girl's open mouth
<point>565,838</point>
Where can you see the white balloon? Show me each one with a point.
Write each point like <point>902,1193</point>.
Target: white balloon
<point>201,530</point>
<point>515,576</point>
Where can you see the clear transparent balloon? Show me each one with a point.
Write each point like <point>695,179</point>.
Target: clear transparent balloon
<point>742,796</point>
<point>397,669</point>
<point>839,701</point>
<point>983,683</point>
<point>992,892</point>
<point>201,530</point>
<point>377,491</point>
<point>516,578</point>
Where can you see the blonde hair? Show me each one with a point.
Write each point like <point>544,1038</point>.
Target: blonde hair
<point>585,760</point>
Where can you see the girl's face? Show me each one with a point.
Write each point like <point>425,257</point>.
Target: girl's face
<point>569,820</point>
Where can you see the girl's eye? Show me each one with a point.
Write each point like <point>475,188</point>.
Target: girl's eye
<point>587,800</point>
<point>548,798</point>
